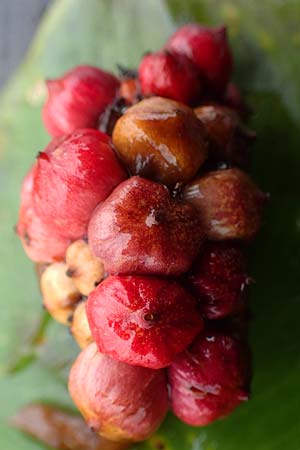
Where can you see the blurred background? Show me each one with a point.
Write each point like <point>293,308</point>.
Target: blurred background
<point>18,22</point>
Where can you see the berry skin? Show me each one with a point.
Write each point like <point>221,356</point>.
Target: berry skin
<point>170,74</point>
<point>162,140</point>
<point>75,173</point>
<point>83,267</point>
<point>77,99</point>
<point>80,328</point>
<point>229,138</point>
<point>141,229</point>
<point>59,292</point>
<point>229,203</point>
<point>208,49</point>
<point>210,379</point>
<point>39,241</point>
<point>118,401</point>
<point>142,321</point>
<point>219,280</point>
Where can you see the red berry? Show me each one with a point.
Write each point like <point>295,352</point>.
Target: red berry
<point>170,74</point>
<point>229,204</point>
<point>39,241</point>
<point>143,321</point>
<point>118,401</point>
<point>219,280</point>
<point>210,379</point>
<point>75,173</point>
<point>77,99</point>
<point>141,229</point>
<point>208,49</point>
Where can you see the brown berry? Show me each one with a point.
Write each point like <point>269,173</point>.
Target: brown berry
<point>161,139</point>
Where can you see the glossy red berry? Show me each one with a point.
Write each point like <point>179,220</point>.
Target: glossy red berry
<point>141,229</point>
<point>210,379</point>
<point>39,241</point>
<point>208,49</point>
<point>77,99</point>
<point>170,74</point>
<point>219,280</point>
<point>118,401</point>
<point>74,174</point>
<point>142,321</point>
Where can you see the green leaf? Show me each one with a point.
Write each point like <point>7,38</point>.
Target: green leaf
<point>266,40</point>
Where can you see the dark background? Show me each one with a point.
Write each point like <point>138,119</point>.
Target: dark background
<point>18,21</point>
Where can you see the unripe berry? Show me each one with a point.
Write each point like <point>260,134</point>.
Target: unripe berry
<point>171,75</point>
<point>77,99</point>
<point>59,292</point>
<point>210,379</point>
<point>229,203</point>
<point>85,269</point>
<point>208,49</point>
<point>80,328</point>
<point>118,401</point>
<point>74,173</point>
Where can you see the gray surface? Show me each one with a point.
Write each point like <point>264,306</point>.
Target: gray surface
<point>18,21</point>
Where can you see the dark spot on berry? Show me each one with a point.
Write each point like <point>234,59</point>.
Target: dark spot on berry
<point>43,155</point>
<point>149,317</point>
<point>70,318</point>
<point>96,283</point>
<point>70,272</point>
<point>159,445</point>
<point>27,238</point>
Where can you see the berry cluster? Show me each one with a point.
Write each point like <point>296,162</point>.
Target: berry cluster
<point>137,214</point>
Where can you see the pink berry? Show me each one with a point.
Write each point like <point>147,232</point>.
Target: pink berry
<point>118,401</point>
<point>74,174</point>
<point>208,49</point>
<point>141,229</point>
<point>39,241</point>
<point>142,321</point>
<point>170,74</point>
<point>210,379</point>
<point>219,280</point>
<point>77,99</point>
